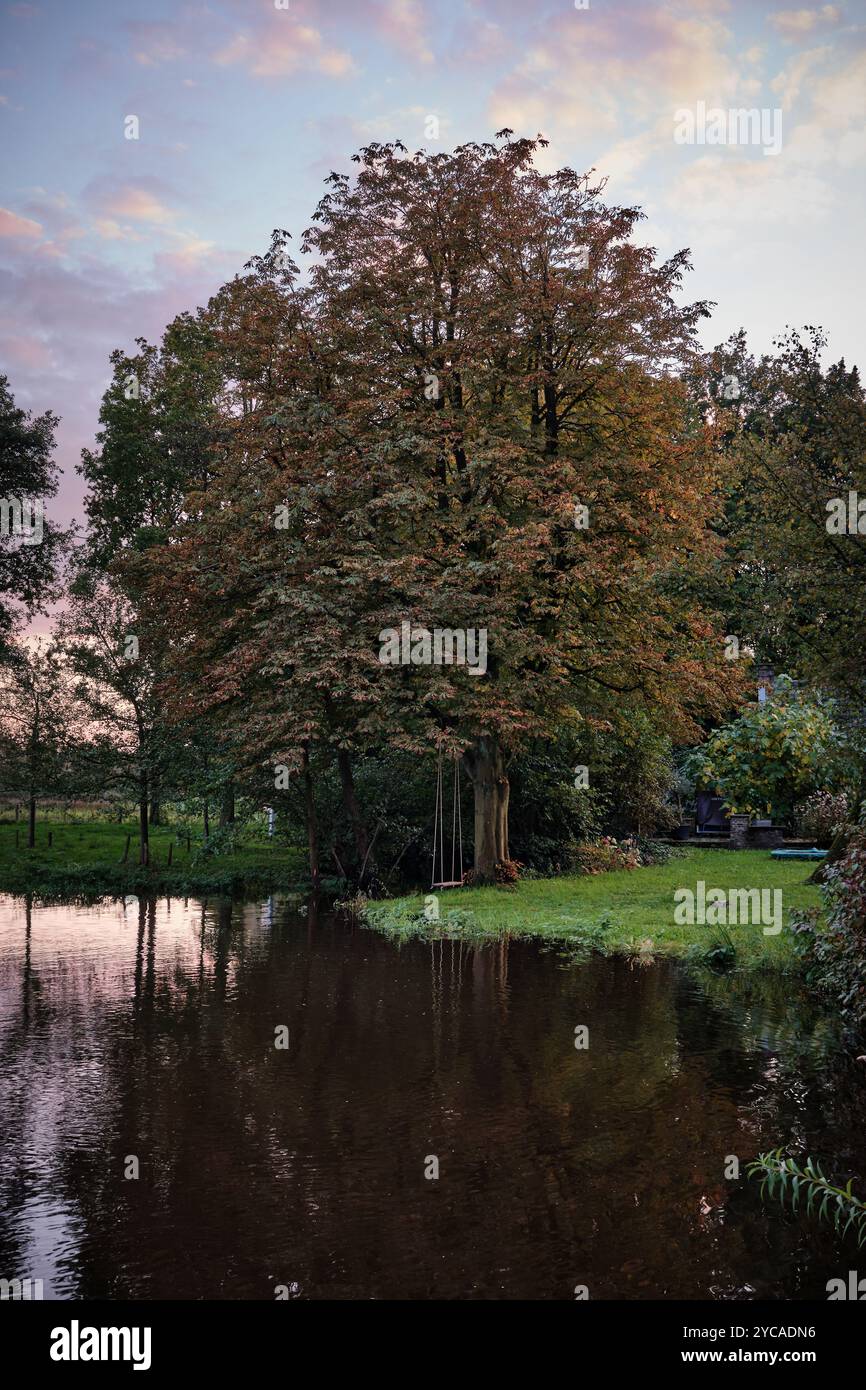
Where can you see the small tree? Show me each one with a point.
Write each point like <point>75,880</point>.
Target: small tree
<point>117,662</point>
<point>35,718</point>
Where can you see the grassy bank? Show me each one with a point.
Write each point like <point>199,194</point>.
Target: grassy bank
<point>616,912</point>
<point>86,858</point>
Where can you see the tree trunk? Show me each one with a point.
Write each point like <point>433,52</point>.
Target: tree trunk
<point>485,764</point>
<point>31,823</point>
<point>312,826</point>
<point>143,837</point>
<point>207,820</point>
<point>227,805</point>
<point>353,810</point>
<point>155,809</point>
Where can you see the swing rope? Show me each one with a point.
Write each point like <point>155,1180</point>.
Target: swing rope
<point>439,829</point>
<point>437,816</point>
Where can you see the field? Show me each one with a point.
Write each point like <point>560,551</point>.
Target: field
<point>88,857</point>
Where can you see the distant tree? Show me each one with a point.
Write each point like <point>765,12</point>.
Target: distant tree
<point>117,660</point>
<point>28,475</point>
<point>36,724</point>
<point>791,580</point>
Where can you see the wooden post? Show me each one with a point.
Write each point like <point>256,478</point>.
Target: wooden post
<point>126,851</point>
<point>50,838</point>
<point>170,852</point>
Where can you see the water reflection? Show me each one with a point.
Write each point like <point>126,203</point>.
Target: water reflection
<point>147,1029</point>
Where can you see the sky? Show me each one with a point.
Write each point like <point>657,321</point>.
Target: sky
<point>244,106</point>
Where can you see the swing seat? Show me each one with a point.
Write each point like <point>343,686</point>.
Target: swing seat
<point>453,883</point>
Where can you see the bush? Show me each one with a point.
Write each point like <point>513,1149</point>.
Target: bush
<point>835,958</point>
<point>656,851</point>
<point>607,854</point>
<point>507,872</point>
<point>773,755</point>
<point>821,816</point>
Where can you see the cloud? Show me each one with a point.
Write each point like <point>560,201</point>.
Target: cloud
<point>401,22</point>
<point>589,78</point>
<point>138,203</point>
<point>788,84</point>
<point>75,314</point>
<point>155,43</point>
<point>14,226</point>
<point>791,23</point>
<point>109,230</point>
<point>191,252</point>
<point>281,47</point>
<point>734,201</point>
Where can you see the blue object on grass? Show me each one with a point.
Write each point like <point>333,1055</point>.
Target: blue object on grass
<point>798,854</point>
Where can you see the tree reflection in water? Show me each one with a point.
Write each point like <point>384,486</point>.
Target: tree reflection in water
<point>148,1030</point>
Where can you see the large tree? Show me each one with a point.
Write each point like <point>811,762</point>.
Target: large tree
<point>483,357</point>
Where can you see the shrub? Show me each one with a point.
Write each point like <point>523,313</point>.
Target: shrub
<point>606,854</point>
<point>835,958</point>
<point>507,872</point>
<point>821,815</point>
<point>773,755</point>
<point>656,851</point>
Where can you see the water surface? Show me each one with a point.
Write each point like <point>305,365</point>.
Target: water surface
<point>147,1030</point>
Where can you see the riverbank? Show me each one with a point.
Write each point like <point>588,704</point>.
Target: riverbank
<point>628,912</point>
<point>93,858</point>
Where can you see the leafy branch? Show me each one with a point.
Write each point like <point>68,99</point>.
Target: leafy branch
<point>783,1176</point>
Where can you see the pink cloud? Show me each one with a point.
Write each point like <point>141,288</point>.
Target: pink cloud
<point>140,205</point>
<point>75,315</point>
<point>147,200</point>
<point>19,350</point>
<point>283,46</point>
<point>14,226</point>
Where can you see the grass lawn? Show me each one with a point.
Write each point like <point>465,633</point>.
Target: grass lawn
<point>617,911</point>
<point>86,857</point>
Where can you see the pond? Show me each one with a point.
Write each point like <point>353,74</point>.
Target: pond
<point>142,1037</point>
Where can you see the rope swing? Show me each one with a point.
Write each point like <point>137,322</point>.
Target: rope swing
<point>439,830</point>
